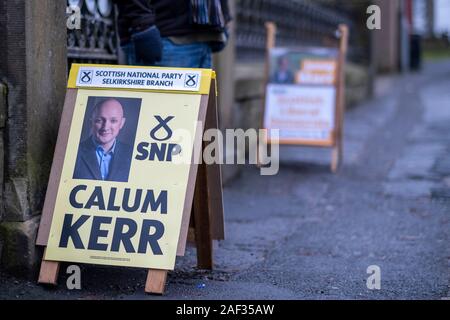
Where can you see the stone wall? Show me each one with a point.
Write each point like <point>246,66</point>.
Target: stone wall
<point>2,151</point>
<point>33,70</point>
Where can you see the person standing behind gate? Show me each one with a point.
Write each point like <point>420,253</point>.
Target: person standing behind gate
<point>191,30</point>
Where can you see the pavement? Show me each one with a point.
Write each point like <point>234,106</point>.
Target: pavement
<point>306,233</point>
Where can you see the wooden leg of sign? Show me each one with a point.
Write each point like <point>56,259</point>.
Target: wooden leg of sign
<point>191,231</point>
<point>335,158</point>
<point>215,201</point>
<point>156,281</point>
<point>202,222</point>
<point>340,99</point>
<point>49,271</point>
<point>214,174</point>
<point>271,32</point>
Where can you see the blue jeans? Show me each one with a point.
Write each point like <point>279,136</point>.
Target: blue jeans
<point>144,48</point>
<point>192,55</point>
<point>129,53</point>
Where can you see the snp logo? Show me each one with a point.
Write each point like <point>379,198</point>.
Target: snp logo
<point>191,80</point>
<point>86,76</point>
<point>161,150</point>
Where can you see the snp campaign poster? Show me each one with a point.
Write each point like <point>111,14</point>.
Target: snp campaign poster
<point>122,191</point>
<point>301,95</point>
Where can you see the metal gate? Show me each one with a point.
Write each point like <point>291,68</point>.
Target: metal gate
<point>96,41</point>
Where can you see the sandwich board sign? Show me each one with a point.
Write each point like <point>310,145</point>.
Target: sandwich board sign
<point>304,97</point>
<point>125,171</point>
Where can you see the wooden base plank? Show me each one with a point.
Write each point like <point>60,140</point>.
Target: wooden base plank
<point>156,281</point>
<point>48,273</point>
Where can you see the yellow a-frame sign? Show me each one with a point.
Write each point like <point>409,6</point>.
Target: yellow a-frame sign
<point>125,171</point>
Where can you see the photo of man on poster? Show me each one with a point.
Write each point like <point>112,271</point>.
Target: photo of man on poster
<point>102,155</point>
<point>283,74</point>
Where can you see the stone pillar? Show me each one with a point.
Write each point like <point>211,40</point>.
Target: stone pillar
<point>224,64</point>
<point>2,152</point>
<point>387,40</point>
<point>430,13</point>
<point>33,71</point>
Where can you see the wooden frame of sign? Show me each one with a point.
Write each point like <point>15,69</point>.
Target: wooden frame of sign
<point>339,109</point>
<point>203,201</point>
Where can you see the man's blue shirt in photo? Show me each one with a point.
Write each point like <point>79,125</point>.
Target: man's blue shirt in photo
<point>104,158</point>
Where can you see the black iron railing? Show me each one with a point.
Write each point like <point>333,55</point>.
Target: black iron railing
<point>96,40</point>
<point>298,22</point>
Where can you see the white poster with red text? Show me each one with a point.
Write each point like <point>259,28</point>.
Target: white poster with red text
<point>301,95</point>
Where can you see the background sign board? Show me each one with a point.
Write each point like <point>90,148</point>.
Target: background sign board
<point>301,95</point>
